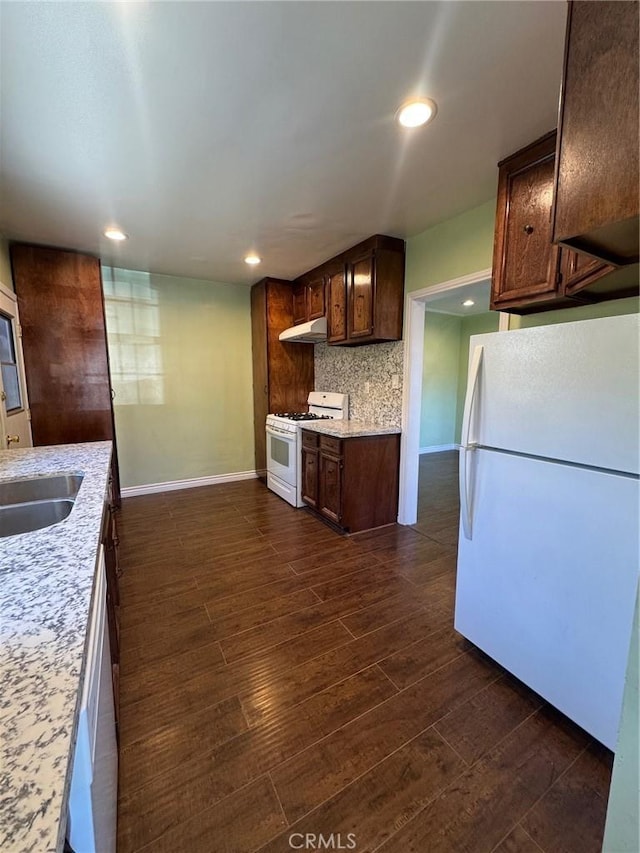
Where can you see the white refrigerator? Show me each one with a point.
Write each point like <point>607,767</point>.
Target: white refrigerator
<point>549,533</point>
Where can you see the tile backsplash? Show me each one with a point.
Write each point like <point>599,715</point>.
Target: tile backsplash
<point>347,369</point>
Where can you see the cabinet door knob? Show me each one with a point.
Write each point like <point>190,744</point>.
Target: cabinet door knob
<point>528,229</point>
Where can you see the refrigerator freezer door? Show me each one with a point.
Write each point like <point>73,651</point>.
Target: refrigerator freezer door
<point>567,391</point>
<point>546,585</point>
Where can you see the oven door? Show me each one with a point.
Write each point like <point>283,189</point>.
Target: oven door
<point>282,453</point>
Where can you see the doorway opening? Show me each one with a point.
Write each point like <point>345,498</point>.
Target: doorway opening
<point>441,350</point>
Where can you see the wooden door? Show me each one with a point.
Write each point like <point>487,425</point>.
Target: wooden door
<point>290,365</point>
<point>315,297</point>
<point>596,198</point>
<point>330,487</point>
<point>525,263</point>
<point>65,346</point>
<point>337,305</point>
<point>579,271</point>
<point>361,285</point>
<point>260,372</point>
<point>310,476</point>
<point>300,310</point>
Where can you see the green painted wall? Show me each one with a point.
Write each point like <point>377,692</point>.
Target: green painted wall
<point>5,264</point>
<point>451,249</point>
<point>439,379</point>
<point>444,373</point>
<point>584,312</point>
<point>622,830</point>
<point>180,353</point>
<point>477,324</point>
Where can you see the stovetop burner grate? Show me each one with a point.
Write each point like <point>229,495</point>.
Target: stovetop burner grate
<point>301,416</point>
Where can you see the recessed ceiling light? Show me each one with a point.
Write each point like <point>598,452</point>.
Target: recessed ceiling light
<point>417,112</point>
<point>468,303</point>
<point>114,234</point>
<point>252,260</point>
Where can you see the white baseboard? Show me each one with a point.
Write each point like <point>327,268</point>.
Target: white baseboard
<point>438,448</point>
<point>174,485</point>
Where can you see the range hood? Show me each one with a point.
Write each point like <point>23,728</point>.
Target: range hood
<point>309,333</point>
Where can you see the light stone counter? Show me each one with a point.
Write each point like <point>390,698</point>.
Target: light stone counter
<point>46,590</point>
<point>348,429</point>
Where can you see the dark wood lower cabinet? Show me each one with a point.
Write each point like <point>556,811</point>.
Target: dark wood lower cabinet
<point>109,540</point>
<point>351,482</point>
<point>310,471</point>
<point>330,487</point>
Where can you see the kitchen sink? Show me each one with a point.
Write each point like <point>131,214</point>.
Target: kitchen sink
<point>37,502</point>
<point>34,515</point>
<point>53,487</point>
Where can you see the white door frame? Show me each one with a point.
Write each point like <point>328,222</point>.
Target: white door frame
<point>7,296</point>
<point>415,304</point>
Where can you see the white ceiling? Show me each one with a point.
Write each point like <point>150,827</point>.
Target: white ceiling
<point>206,130</point>
<point>450,302</point>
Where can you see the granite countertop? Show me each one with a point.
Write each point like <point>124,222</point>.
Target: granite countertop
<point>46,589</point>
<point>348,429</point>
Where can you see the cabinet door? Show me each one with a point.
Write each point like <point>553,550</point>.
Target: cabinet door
<point>361,284</point>
<point>596,194</point>
<point>330,482</point>
<point>65,347</point>
<point>300,313</point>
<point>525,264</point>
<point>337,308</point>
<point>315,297</point>
<point>579,271</point>
<point>310,477</point>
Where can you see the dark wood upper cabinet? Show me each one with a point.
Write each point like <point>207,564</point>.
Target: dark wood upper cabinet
<point>578,272</point>
<point>530,273</point>
<point>337,304</point>
<point>360,291</point>
<point>596,183</point>
<point>299,302</point>
<point>360,286</point>
<point>316,297</point>
<point>65,347</point>
<point>525,263</point>
<point>283,373</point>
<point>309,297</point>
<point>366,293</point>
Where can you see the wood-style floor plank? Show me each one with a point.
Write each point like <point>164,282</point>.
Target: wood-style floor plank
<point>190,787</point>
<point>315,775</point>
<point>278,677</point>
<point>301,682</point>
<point>238,824</point>
<point>579,797</point>
<point>477,726</point>
<point>479,808</point>
<point>518,841</point>
<point>189,736</point>
<point>367,811</point>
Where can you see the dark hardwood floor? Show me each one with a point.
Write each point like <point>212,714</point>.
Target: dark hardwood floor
<point>279,678</point>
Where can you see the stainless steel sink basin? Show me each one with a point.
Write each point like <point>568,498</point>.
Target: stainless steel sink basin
<point>26,517</point>
<point>52,487</point>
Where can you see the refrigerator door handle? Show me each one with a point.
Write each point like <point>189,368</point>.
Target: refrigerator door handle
<point>467,446</point>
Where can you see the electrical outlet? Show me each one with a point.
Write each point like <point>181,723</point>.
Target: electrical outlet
<point>367,387</point>
<point>395,381</point>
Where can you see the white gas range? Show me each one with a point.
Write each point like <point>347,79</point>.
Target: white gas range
<point>284,444</point>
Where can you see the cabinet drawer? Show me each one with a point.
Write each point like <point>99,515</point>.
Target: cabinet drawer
<point>309,439</point>
<point>331,445</point>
